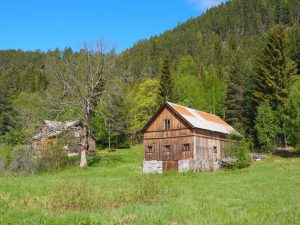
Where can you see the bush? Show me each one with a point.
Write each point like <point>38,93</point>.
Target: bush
<point>22,160</point>
<point>93,160</point>
<point>5,152</point>
<point>52,158</point>
<point>237,154</point>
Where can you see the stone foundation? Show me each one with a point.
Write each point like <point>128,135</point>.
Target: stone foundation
<point>185,165</point>
<point>153,166</point>
<point>206,165</point>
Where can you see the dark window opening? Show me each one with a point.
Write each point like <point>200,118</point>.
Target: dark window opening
<point>167,124</point>
<point>215,149</point>
<point>186,147</point>
<point>149,149</point>
<point>167,148</point>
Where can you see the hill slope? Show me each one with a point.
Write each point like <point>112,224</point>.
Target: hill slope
<point>211,38</point>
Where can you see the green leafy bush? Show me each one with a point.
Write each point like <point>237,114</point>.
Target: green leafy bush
<point>52,158</point>
<point>93,160</point>
<point>237,154</point>
<point>5,152</point>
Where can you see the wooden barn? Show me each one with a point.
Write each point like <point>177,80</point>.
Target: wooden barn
<point>183,139</point>
<point>68,133</point>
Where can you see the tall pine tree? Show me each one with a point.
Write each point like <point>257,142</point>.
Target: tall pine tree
<point>165,82</point>
<point>235,104</point>
<point>275,74</point>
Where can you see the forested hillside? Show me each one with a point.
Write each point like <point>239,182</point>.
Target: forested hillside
<point>239,60</point>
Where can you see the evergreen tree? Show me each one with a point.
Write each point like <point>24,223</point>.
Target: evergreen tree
<point>276,72</point>
<point>267,126</point>
<point>293,126</point>
<point>235,104</point>
<point>165,82</point>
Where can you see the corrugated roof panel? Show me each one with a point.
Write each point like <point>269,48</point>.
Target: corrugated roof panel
<point>202,120</point>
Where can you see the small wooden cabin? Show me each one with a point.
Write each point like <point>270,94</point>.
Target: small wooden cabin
<point>183,139</point>
<point>68,133</point>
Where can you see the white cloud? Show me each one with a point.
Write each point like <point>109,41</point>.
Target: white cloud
<point>204,4</point>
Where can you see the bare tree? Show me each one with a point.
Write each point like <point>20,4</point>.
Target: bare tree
<point>79,80</point>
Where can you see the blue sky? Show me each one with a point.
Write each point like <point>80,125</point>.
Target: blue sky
<point>38,24</point>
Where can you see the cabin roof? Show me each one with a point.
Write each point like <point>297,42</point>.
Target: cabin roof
<point>197,119</point>
<point>56,127</point>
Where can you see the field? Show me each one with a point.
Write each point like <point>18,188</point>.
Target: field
<point>116,192</point>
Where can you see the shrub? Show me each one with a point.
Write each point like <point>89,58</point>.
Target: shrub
<point>52,158</point>
<point>93,160</point>
<point>5,151</point>
<point>237,154</point>
<point>22,160</point>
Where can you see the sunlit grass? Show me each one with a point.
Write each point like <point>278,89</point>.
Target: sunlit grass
<point>116,192</point>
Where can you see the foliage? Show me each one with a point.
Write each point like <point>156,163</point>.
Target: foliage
<point>22,161</point>
<point>293,125</point>
<point>186,83</point>
<point>52,158</point>
<point>145,104</point>
<point>165,81</point>
<point>238,152</point>
<point>213,91</point>
<point>110,119</point>
<point>267,126</point>
<point>94,160</point>
<point>276,71</point>
<point>222,46</point>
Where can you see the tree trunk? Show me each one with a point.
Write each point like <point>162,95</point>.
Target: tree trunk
<point>84,148</point>
<point>85,139</point>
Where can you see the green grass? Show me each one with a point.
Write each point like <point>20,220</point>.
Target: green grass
<point>116,192</point>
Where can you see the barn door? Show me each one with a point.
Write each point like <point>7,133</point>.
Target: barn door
<point>170,165</point>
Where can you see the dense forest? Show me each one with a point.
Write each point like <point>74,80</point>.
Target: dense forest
<point>239,60</point>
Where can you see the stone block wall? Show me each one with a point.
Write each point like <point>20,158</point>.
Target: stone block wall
<point>153,166</point>
<point>185,165</point>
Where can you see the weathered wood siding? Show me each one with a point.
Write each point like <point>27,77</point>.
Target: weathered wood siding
<point>204,146</point>
<point>157,137</point>
<point>210,146</point>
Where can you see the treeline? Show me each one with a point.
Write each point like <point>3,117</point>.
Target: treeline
<point>239,60</point>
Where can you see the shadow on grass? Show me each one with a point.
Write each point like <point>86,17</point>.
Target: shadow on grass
<point>286,153</point>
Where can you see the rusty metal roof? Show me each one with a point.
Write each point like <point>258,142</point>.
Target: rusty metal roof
<point>202,120</point>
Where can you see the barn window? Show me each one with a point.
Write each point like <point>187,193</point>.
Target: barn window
<point>167,124</point>
<point>167,148</point>
<point>149,149</point>
<point>215,149</point>
<point>186,147</point>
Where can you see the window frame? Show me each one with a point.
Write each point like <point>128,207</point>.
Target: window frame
<point>167,148</point>
<point>184,147</point>
<point>149,149</point>
<point>215,150</point>
<point>167,124</point>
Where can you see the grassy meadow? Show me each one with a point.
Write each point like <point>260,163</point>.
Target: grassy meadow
<point>116,192</point>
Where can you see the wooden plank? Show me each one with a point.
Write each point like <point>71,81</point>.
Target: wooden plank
<point>170,165</point>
